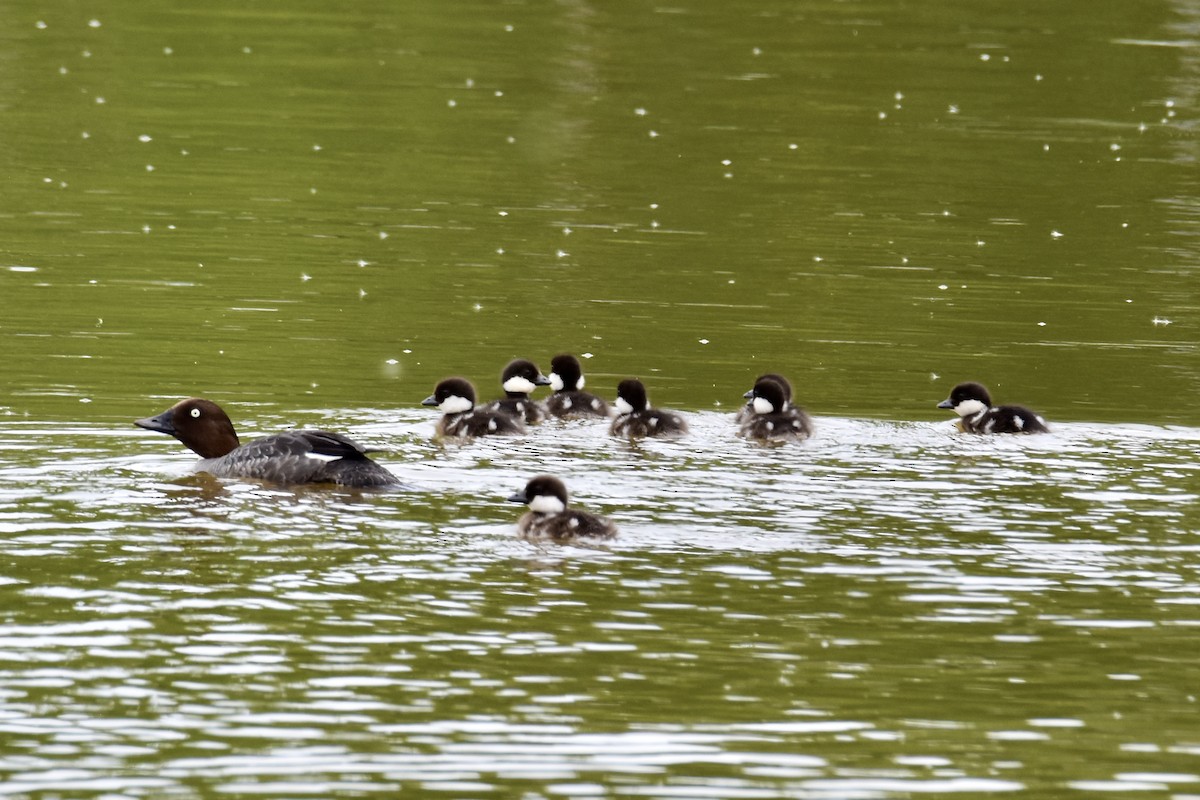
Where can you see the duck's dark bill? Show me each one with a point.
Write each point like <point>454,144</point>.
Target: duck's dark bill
<point>161,423</point>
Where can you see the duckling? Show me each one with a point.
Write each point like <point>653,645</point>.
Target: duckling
<point>569,399</point>
<point>455,398</point>
<point>746,413</point>
<point>518,380</point>
<point>973,405</point>
<point>774,419</point>
<point>635,418</point>
<point>549,518</point>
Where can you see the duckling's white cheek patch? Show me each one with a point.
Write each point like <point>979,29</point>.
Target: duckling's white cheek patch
<point>517,384</point>
<point>546,504</point>
<point>622,406</point>
<point>455,405</point>
<point>1019,421</point>
<point>556,382</point>
<point>579,383</point>
<point>969,407</point>
<point>762,406</point>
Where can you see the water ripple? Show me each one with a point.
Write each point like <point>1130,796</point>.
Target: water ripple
<point>950,601</point>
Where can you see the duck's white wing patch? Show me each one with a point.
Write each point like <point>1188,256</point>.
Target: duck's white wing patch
<point>1019,421</point>
<point>546,504</point>
<point>321,456</point>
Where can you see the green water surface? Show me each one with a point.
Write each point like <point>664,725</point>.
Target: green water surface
<point>247,200</point>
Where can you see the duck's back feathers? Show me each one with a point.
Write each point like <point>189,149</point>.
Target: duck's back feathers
<point>523,408</point>
<point>574,403</point>
<point>303,456</point>
<point>793,424</point>
<point>480,422</point>
<point>652,422</point>
<point>565,526</point>
<point>1005,419</point>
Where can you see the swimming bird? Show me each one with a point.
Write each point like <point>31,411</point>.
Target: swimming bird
<point>773,419</point>
<point>455,398</point>
<point>518,380</point>
<point>635,418</point>
<point>549,518</point>
<point>973,404</point>
<point>746,413</point>
<point>569,399</point>
<point>292,457</point>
